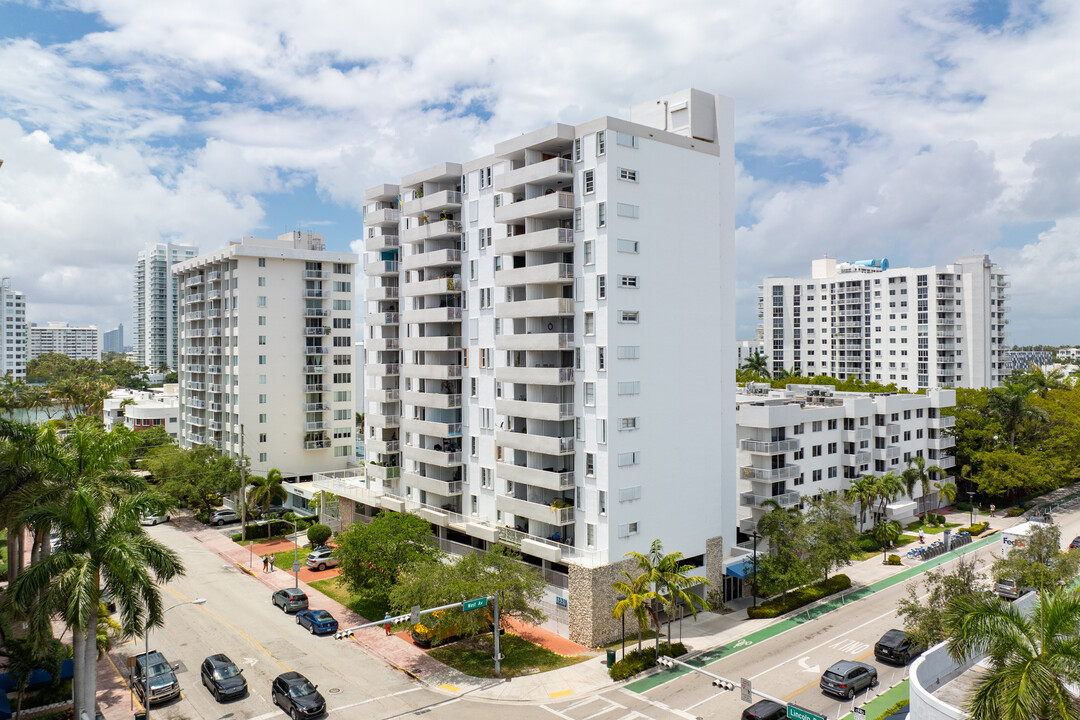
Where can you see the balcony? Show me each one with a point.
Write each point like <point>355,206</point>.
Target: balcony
<point>195,350</point>
<point>381,394</point>
<point>213,294</point>
<point>316,387</point>
<point>214,369</point>
<point>941,443</point>
<point>535,443</point>
<point>887,453</point>
<point>382,369</point>
<point>432,343</point>
<point>384,216</point>
<point>888,429</point>
<point>555,239</point>
<point>535,375</point>
<point>787,499</point>
<point>433,231</point>
<point>547,478</point>
<point>314,369</point>
<point>213,276</point>
<point>946,462</point>
<point>316,407</point>
<point>787,472</point>
<point>316,444</point>
<point>193,281</point>
<point>535,341</point>
<point>433,202</point>
<point>196,333</point>
<point>213,313</point>
<point>195,403</point>
<point>197,439</point>
<point>381,318</point>
<point>430,399</point>
<point>382,242</point>
<point>443,488</point>
<point>548,307</point>
<point>196,386</point>
<point>381,344</point>
<point>383,420</point>
<point>435,258</point>
<point>862,433</point>
<point>213,350</point>
<point>316,275</point>
<point>316,312</point>
<point>535,410</point>
<point>862,457</point>
<point>381,268</point>
<point>374,294</point>
<point>196,421</point>
<point>552,205</point>
<point>215,387</point>
<point>316,350</point>
<point>194,298</point>
<point>547,171</point>
<point>562,273</point>
<point>316,331</point>
<point>942,422</point>
<point>435,286</point>
<point>383,472</point>
<point>432,372</point>
<point>386,447</point>
<point>439,458</point>
<point>215,425</point>
<point>766,447</point>
<point>214,332</point>
<point>216,407</point>
<point>534,510</point>
<point>195,368</point>
<point>197,315</point>
<point>432,315</point>
<point>432,428</point>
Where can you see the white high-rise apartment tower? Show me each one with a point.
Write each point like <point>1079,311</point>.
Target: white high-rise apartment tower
<point>267,351</point>
<point>939,326</point>
<point>155,307</point>
<point>550,348</point>
<point>14,341</point>
<point>78,343</point>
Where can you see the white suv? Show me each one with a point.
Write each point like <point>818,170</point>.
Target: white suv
<point>322,558</point>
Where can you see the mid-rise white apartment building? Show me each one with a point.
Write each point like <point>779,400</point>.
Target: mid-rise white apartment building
<point>809,440</point>
<point>155,310</point>
<point>939,326</point>
<point>747,349</point>
<point>538,370</point>
<point>78,343</point>
<point>13,331</point>
<point>267,353</point>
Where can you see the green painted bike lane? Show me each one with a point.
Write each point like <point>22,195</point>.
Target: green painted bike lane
<point>711,656</point>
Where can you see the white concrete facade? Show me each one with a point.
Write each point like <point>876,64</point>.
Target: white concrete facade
<point>143,409</point>
<point>78,343</point>
<point>155,310</point>
<point>535,374</point>
<point>809,440</point>
<point>267,351</point>
<point>747,349</point>
<point>14,332</point>
<point>940,326</point>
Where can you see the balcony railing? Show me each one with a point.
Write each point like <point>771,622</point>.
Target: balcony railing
<point>316,350</point>
<point>316,331</point>
<point>313,426</point>
<point>767,447</point>
<point>316,444</point>
<point>316,407</point>
<point>749,472</point>
<point>316,274</point>
<point>786,499</point>
<point>316,312</point>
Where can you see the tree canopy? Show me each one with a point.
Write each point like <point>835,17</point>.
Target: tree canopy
<point>373,555</point>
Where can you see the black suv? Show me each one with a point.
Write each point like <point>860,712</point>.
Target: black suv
<point>294,693</point>
<point>222,678</point>
<point>765,710</point>
<point>896,647</point>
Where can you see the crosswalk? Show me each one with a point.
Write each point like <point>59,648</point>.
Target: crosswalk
<point>617,705</point>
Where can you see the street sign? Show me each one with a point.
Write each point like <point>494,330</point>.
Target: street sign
<point>794,712</point>
<point>414,617</point>
<point>296,566</point>
<point>747,690</point>
<point>859,714</point>
<point>474,604</point>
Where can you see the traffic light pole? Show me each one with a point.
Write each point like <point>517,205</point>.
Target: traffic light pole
<point>720,682</point>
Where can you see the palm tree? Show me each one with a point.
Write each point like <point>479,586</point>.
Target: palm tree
<point>946,490</point>
<point>886,533</point>
<point>674,582</point>
<point>1009,403</point>
<point>1037,380</point>
<point>917,473</point>
<point>264,490</point>
<point>757,363</point>
<point>21,459</point>
<point>1033,657</point>
<point>863,492</point>
<point>637,599</point>
<point>887,488</point>
<point>103,547</point>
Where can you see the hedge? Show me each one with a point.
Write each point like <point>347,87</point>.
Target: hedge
<point>895,560</point>
<point>636,661</point>
<point>976,529</point>
<point>274,527</point>
<point>902,704</point>
<point>799,597</point>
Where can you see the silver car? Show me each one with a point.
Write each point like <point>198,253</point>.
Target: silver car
<point>290,600</point>
<point>220,517</point>
<point>322,558</point>
<point>848,677</point>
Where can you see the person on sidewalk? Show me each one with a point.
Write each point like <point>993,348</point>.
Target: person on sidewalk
<point>387,621</point>
<point>272,559</point>
<point>922,538</point>
<point>993,509</point>
<point>266,563</point>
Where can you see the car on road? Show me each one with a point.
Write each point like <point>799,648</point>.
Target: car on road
<point>163,683</point>
<point>1075,543</point>
<point>317,622</point>
<point>222,678</point>
<point>1009,589</point>
<point>297,696</point>
<point>896,646</point>
<point>848,677</point>
<point>290,599</point>
<point>224,515</point>
<point>765,710</point>
<point>153,519</point>
<point>321,558</point>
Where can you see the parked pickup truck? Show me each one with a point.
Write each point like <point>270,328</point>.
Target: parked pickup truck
<point>163,683</point>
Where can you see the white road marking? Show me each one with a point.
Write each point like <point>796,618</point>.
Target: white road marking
<point>807,667</point>
<point>658,704</point>
<point>381,697</point>
<point>702,702</point>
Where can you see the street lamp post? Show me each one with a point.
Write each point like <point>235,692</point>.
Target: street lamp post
<point>146,657</point>
<point>754,534</point>
<point>296,551</point>
<point>971,507</point>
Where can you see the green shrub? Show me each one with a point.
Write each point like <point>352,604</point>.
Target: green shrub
<point>894,708</point>
<point>635,661</point>
<point>799,597</point>
<point>895,560</point>
<point>963,507</point>
<point>318,534</point>
<point>975,529</point>
<point>203,516</point>
<point>1014,512</point>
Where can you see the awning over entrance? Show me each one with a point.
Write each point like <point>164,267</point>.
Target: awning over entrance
<point>741,569</point>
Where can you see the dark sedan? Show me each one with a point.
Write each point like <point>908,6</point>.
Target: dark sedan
<point>222,678</point>
<point>317,622</point>
<point>294,693</point>
<point>1075,543</point>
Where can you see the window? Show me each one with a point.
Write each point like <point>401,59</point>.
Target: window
<point>601,431</point>
<point>590,464</point>
<point>262,417</point>
<point>601,358</point>
<point>262,319</point>
<point>629,458</point>
<point>832,472</point>
<point>342,304</point>
<point>629,423</point>
<point>832,448</point>
<point>262,339</point>
<point>816,426</point>
<point>627,210</point>
<point>628,246</point>
<point>486,415</point>
<point>630,388</point>
<point>262,262</point>
<point>262,458</point>
<point>577,149</point>
<point>590,323</point>
<point>629,316</point>
<point>588,182</point>
<point>587,247</point>
<point>485,177</point>
<point>601,142</point>
<point>262,359</point>
<point>343,268</point>
<point>474,446</point>
<point>487,478</point>
<point>628,529</point>
<point>579,430</point>
<point>343,377</point>
<point>590,534</point>
<point>628,281</point>
<point>628,175</point>
<point>485,297</point>
<point>590,394</point>
<point>485,357</point>
<point>816,477</point>
<point>601,287</point>
<point>342,323</point>
<point>262,398</point>
<point>626,140</point>
<point>601,215</point>
<point>342,395</point>
<point>484,235</point>
<point>628,494</point>
<point>817,451</point>
<point>833,424</point>
<point>261,301</point>
<point>262,437</point>
<point>262,281</point>
<point>628,352</point>
<point>601,501</point>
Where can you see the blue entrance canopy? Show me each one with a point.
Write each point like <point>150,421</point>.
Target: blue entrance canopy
<point>742,569</point>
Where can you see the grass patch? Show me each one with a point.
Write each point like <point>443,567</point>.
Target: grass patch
<point>931,530</point>
<point>283,560</point>
<point>369,609</point>
<point>472,656</point>
<point>870,547</point>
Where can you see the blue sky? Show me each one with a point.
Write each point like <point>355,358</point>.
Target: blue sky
<point>920,131</point>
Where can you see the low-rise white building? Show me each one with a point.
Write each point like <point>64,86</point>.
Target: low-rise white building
<point>143,409</point>
<point>1072,353</point>
<point>807,440</point>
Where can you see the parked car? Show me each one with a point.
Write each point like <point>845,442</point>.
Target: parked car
<point>848,677</point>
<point>897,647</point>
<point>224,515</point>
<point>1075,543</point>
<point>1009,589</point>
<point>765,710</point>
<point>321,558</point>
<point>153,519</point>
<point>290,599</point>
<point>163,683</point>
<point>294,693</point>
<point>222,678</point>
<point>317,622</point>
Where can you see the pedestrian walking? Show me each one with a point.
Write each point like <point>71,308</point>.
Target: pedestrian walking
<point>266,563</point>
<point>272,558</point>
<point>993,509</point>
<point>386,621</point>
<point>922,538</point>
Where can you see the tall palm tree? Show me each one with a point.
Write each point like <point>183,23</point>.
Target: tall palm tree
<point>757,363</point>
<point>21,461</point>
<point>917,473</point>
<point>661,572</point>
<point>1041,382</point>
<point>863,492</point>
<point>637,598</point>
<point>1009,403</point>
<point>264,490</point>
<point>887,488</point>
<point>674,583</point>
<point>886,533</point>
<point>1033,657</point>
<point>103,548</point>
<point>947,490</point>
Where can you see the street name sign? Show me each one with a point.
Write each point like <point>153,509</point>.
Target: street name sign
<point>474,604</point>
<point>794,712</point>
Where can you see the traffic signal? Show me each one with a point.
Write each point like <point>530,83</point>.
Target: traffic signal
<point>723,684</point>
<point>665,661</point>
<point>343,634</point>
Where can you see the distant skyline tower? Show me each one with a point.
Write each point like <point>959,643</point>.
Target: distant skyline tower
<point>155,308</point>
<point>113,340</point>
<point>13,331</point>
